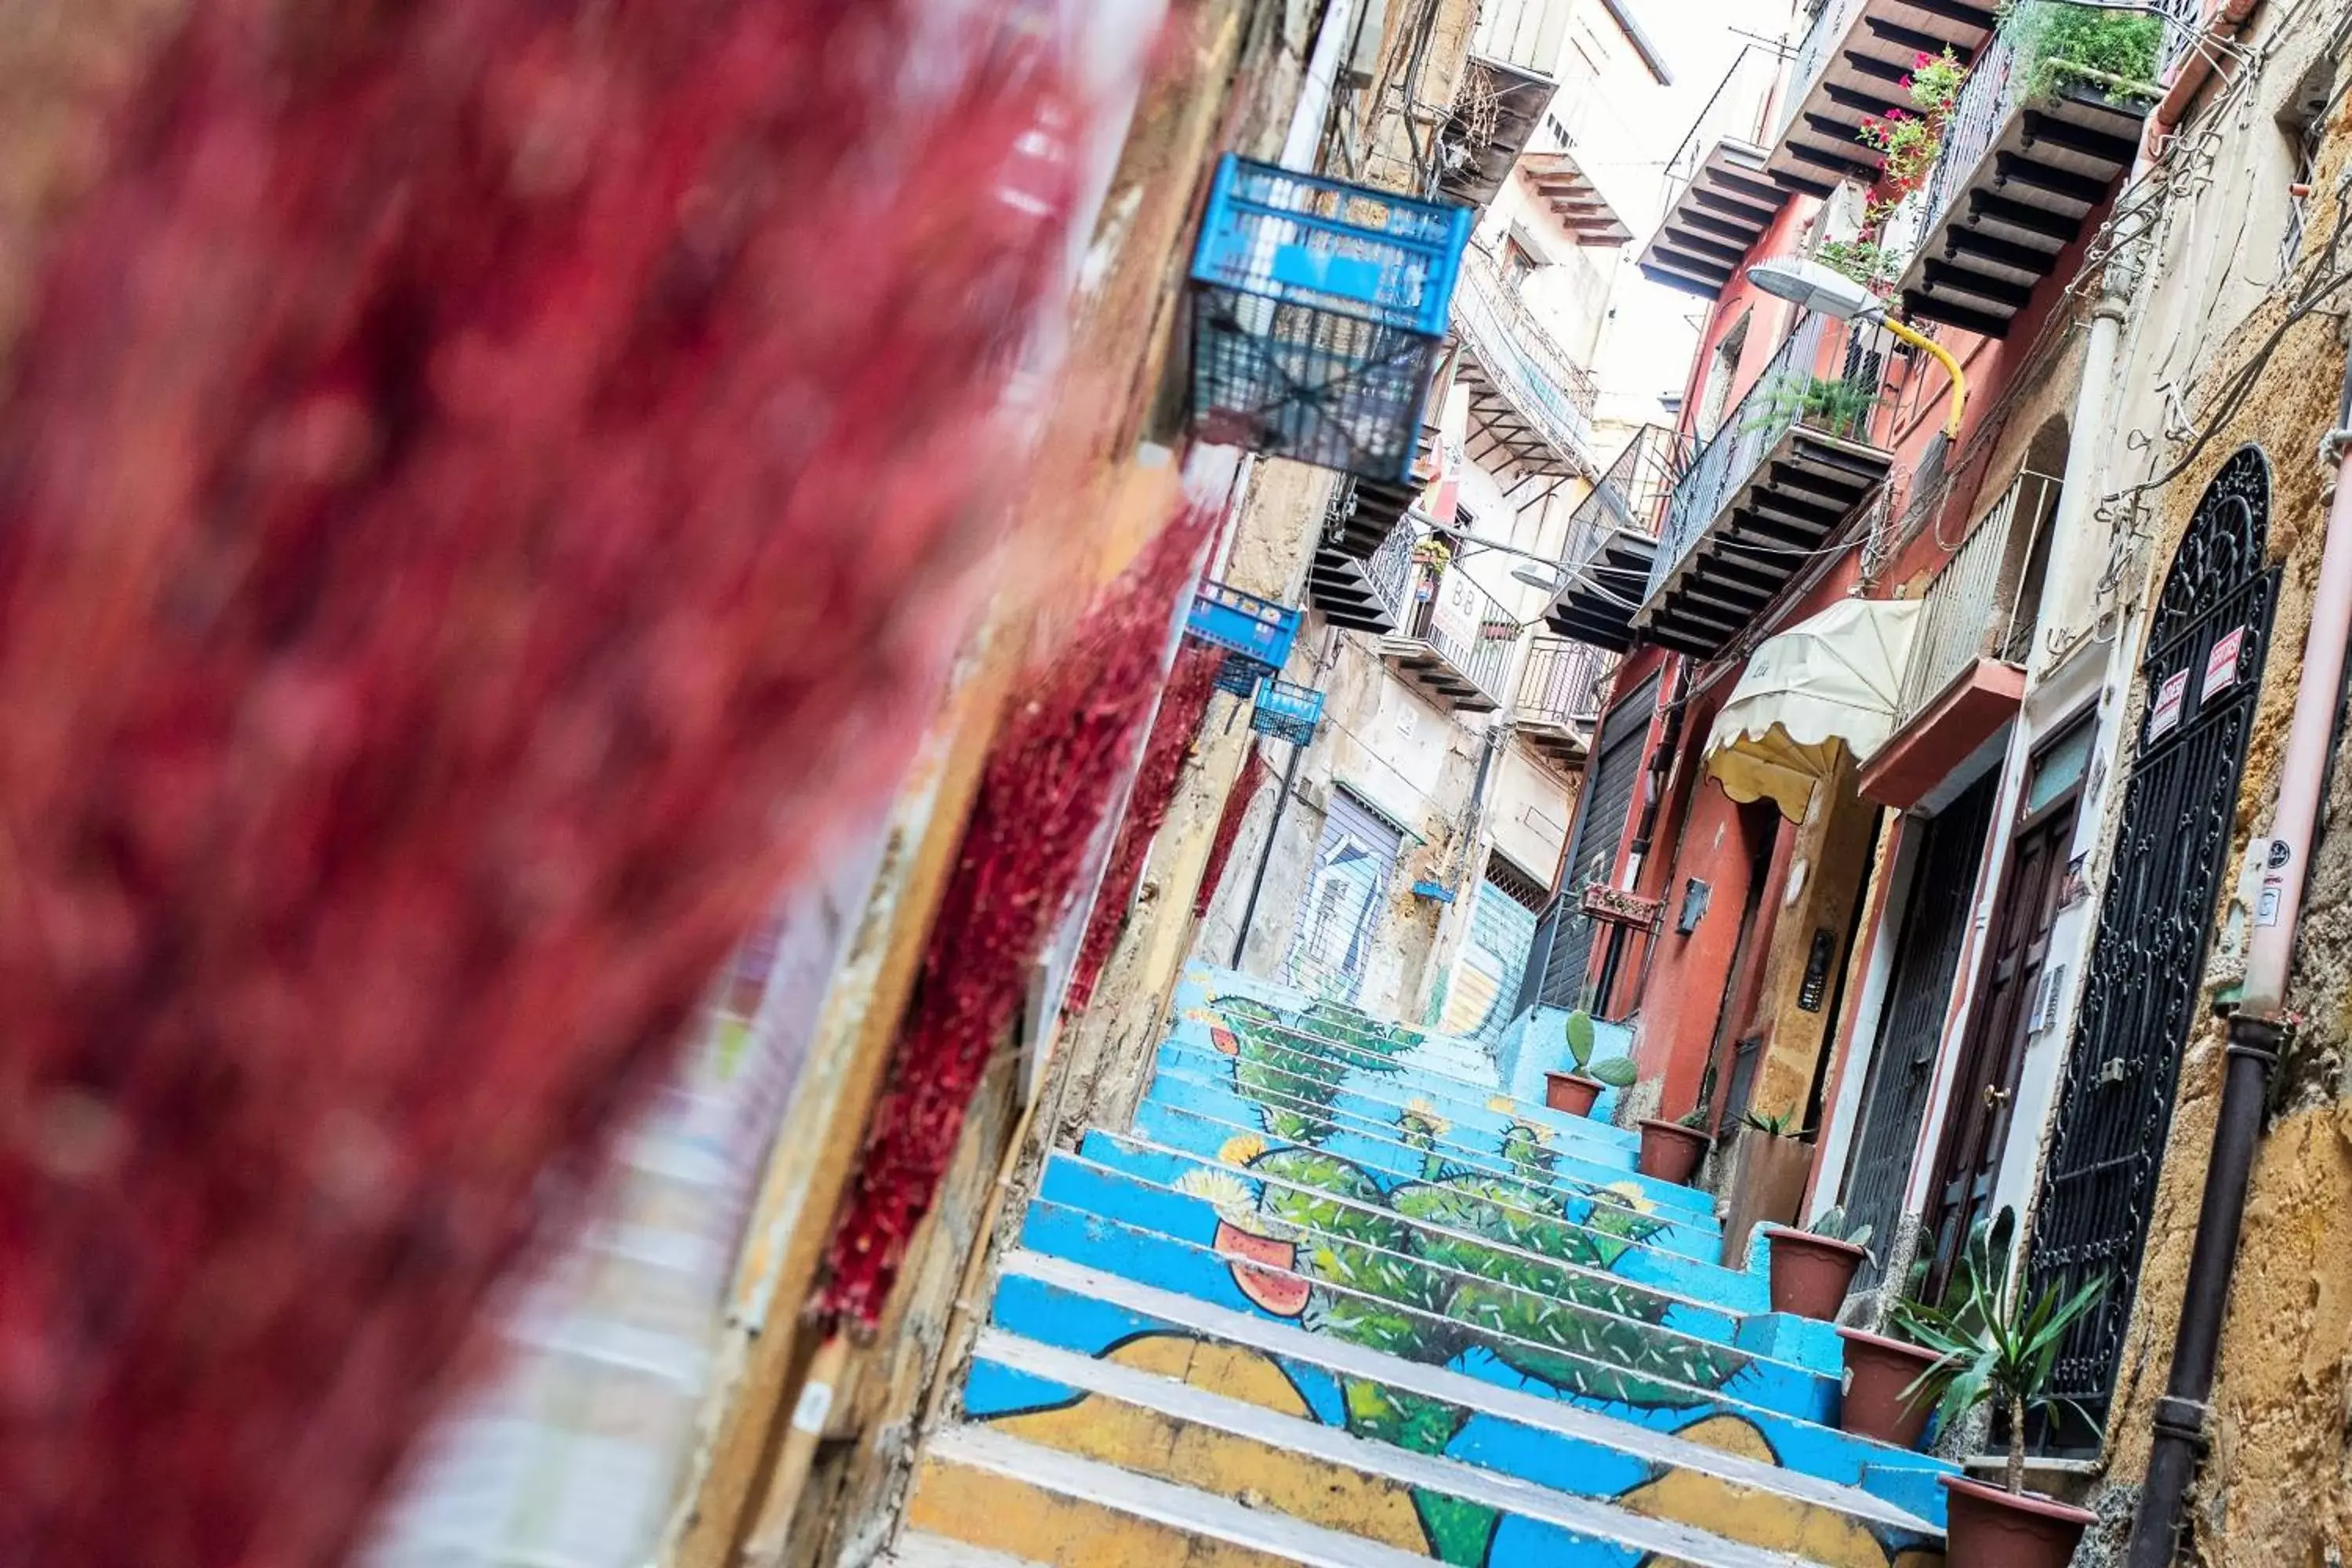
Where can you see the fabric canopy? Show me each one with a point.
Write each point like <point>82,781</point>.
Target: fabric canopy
<point>1835,680</point>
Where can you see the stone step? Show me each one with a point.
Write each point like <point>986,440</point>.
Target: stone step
<point>1389,1096</point>
<point>1201,1127</point>
<point>1505,1419</point>
<point>1584,1354</point>
<point>1203,1413</point>
<point>1569,1231</point>
<point>922,1548</point>
<point>1072,1486</point>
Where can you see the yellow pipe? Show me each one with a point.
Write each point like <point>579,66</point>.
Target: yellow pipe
<point>1942,356</point>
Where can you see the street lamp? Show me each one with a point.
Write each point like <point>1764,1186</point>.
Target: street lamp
<point>1828,292</point>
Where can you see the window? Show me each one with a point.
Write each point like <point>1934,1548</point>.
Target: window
<point>1519,264</point>
<point>1722,368</point>
<point>2304,125</point>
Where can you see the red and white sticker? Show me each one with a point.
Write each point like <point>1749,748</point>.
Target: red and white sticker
<point>2222,665</point>
<point>2165,717</point>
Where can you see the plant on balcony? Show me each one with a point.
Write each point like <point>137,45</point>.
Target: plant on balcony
<point>1911,140</point>
<point>1835,404</point>
<point>1864,260</point>
<point>2059,45</point>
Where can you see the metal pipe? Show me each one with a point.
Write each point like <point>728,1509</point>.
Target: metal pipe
<point>2087,441</point>
<point>2258,1027</point>
<point>1307,119</point>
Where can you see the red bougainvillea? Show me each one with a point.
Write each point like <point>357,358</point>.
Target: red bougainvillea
<point>480,493</point>
<point>1229,826</point>
<point>1044,792</point>
<point>1190,685</point>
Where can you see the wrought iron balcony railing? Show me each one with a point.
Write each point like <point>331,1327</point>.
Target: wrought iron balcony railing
<point>1457,622</point>
<point>1829,377</point>
<point>1980,604</point>
<point>1830,24</point>
<point>1564,682</point>
<point>1552,392</point>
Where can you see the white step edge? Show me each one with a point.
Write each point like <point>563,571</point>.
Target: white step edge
<point>1286,1342</point>
<point>1162,1502</point>
<point>922,1548</point>
<point>1585,1517</point>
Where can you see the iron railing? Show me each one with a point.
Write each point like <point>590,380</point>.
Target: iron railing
<point>1830,24</point>
<point>1564,682</point>
<point>2184,20</point>
<point>1477,642</point>
<point>1734,113</point>
<point>1979,605</point>
<point>1630,498</point>
<point>1830,376</point>
<point>1526,362</point>
<point>1389,569</point>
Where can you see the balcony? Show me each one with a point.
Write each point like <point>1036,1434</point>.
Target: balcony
<point>1561,185</point>
<point>1529,403</point>
<point>1849,69</point>
<point>1365,593</point>
<point>1966,675</point>
<point>1719,199</point>
<point>1454,639</point>
<point>2035,146</point>
<point>1612,541</point>
<point>1561,692</point>
<point>1783,473</point>
<point>1494,113</point>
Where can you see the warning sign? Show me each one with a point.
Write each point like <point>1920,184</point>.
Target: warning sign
<point>2164,716</point>
<point>2222,665</point>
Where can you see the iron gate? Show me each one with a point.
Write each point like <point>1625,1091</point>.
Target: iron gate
<point>1556,969</point>
<point>2206,645</point>
<point>1911,1024</point>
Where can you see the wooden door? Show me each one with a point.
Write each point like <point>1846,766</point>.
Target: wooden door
<point>1984,1092</point>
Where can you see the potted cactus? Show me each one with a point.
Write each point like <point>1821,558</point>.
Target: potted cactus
<point>1995,1346</point>
<point>1576,1090</point>
<point>1812,1268</point>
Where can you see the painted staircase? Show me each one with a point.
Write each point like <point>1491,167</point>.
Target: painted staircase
<point>1338,1298</point>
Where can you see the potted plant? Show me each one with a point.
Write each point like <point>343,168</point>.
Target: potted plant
<point>1812,1268</point>
<point>1672,1150</point>
<point>1575,1090</point>
<point>1997,1347</point>
<point>1884,1400</point>
<point>1763,1180</point>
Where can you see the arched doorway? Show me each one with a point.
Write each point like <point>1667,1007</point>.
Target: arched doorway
<point>2205,643</point>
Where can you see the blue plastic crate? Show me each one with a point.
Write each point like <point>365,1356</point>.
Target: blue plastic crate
<point>1257,629</point>
<point>1317,311</point>
<point>1287,713</point>
<point>1240,675</point>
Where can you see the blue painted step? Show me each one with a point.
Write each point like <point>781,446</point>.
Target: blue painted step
<point>1696,1235</point>
<point>1643,1261</point>
<point>1615,1362</point>
<point>1082,1308</point>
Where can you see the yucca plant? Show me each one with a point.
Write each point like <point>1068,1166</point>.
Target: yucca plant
<point>1997,1346</point>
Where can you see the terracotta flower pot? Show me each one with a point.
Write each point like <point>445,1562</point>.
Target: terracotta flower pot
<point>1672,1151</point>
<point>1263,1269</point>
<point>1878,1370</point>
<point>1571,1092</point>
<point>1810,1273</point>
<point>1991,1528</point>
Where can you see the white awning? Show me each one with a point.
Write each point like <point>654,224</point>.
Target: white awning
<point>1835,680</point>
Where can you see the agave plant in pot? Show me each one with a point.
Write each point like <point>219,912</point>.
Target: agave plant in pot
<point>1886,1399</point>
<point>1576,1090</point>
<point>1997,1345</point>
<point>1813,1267</point>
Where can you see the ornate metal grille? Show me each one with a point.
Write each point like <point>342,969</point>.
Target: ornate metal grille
<point>1563,948</point>
<point>1918,998</point>
<point>2203,668</point>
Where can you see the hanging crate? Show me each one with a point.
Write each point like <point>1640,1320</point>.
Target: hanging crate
<point>1240,675</point>
<point>1317,310</point>
<point>1287,713</point>
<point>1257,629</point>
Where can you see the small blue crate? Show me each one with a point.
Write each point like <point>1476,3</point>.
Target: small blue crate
<point>1317,310</point>
<point>1289,712</point>
<point>1258,629</point>
<point>1240,675</point>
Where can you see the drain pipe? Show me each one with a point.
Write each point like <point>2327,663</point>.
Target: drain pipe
<point>2259,1028</point>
